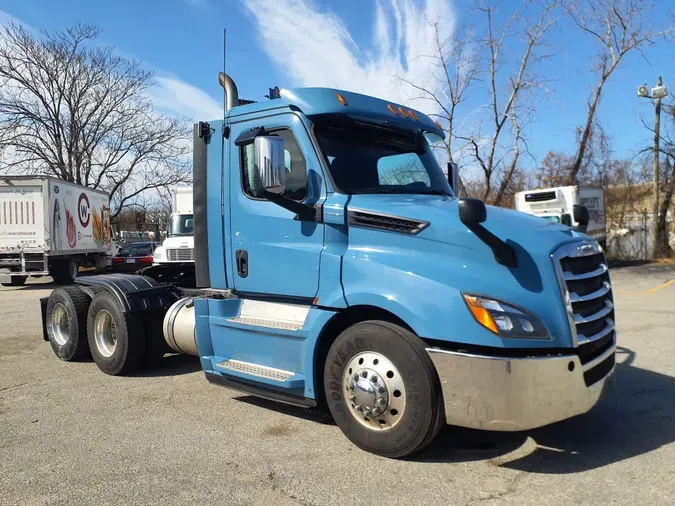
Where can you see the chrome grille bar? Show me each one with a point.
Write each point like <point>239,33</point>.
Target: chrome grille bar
<point>609,327</point>
<point>606,287</point>
<point>585,275</point>
<point>595,316</point>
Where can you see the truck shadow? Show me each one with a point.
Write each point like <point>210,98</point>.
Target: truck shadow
<point>171,365</point>
<point>637,418</point>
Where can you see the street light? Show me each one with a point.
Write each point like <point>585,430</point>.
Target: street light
<point>658,93</point>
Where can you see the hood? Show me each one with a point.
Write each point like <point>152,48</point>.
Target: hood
<point>526,232</point>
<point>445,258</point>
<point>183,241</point>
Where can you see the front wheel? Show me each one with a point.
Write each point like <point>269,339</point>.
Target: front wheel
<point>382,389</point>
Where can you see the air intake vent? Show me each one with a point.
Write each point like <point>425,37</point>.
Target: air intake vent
<point>540,196</point>
<point>368,219</point>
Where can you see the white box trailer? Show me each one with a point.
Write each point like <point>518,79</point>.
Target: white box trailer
<point>51,227</point>
<point>557,204</point>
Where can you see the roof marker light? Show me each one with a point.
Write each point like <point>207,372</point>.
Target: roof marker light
<point>392,109</point>
<point>403,113</point>
<point>341,99</point>
<point>438,125</point>
<point>412,114</point>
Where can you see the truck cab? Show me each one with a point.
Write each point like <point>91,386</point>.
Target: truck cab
<point>335,267</point>
<point>178,247</point>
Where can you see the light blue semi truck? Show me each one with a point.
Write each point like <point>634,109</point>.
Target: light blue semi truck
<point>334,267</point>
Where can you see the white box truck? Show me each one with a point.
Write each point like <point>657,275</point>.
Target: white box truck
<point>50,227</point>
<point>179,245</point>
<point>557,204</point>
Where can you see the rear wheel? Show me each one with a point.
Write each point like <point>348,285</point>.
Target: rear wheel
<point>67,323</point>
<point>382,389</point>
<point>65,271</point>
<point>116,339</point>
<point>16,281</point>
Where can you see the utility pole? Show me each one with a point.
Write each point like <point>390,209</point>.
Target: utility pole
<point>658,93</point>
<point>657,130</point>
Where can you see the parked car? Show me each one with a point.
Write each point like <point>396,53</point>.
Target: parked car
<point>134,256</point>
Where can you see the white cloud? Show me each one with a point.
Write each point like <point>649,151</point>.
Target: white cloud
<point>313,47</point>
<point>176,98</point>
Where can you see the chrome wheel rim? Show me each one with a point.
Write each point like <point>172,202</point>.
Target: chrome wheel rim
<point>105,333</point>
<point>60,324</point>
<point>374,391</point>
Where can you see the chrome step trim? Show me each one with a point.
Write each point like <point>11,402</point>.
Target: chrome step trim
<point>595,316</point>
<point>585,275</point>
<point>261,371</point>
<point>590,296</point>
<point>264,322</point>
<point>273,315</point>
<point>608,328</point>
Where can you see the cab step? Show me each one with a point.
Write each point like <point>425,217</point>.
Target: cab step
<point>273,315</point>
<point>286,379</point>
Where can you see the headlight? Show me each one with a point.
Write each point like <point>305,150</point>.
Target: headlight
<point>157,255</point>
<point>504,319</point>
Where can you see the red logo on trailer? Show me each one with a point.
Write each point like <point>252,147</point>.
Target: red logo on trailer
<point>83,209</point>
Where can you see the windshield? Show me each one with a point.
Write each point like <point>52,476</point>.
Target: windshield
<point>141,248</point>
<point>369,160</point>
<point>554,219</point>
<point>181,224</point>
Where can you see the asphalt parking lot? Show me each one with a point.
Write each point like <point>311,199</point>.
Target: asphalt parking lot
<point>71,435</point>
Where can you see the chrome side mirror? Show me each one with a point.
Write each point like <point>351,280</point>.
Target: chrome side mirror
<point>270,163</point>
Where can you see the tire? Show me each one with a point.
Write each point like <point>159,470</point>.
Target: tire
<point>65,271</point>
<point>115,339</point>
<point>16,281</point>
<point>67,323</point>
<point>413,413</point>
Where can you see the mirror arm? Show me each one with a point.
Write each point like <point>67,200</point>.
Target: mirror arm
<point>504,254</point>
<point>303,212</point>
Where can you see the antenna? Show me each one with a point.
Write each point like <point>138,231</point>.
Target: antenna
<point>225,72</point>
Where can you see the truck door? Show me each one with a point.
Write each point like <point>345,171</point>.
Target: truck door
<point>273,253</point>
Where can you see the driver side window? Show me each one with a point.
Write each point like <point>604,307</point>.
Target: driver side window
<point>296,168</point>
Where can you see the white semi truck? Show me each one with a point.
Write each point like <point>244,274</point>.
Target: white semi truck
<point>557,204</point>
<point>50,227</point>
<point>179,245</point>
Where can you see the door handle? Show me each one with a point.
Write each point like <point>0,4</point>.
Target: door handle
<point>242,263</point>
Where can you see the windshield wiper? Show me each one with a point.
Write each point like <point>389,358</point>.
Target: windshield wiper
<point>433,191</point>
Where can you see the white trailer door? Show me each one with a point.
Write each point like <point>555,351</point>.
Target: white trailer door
<point>21,217</point>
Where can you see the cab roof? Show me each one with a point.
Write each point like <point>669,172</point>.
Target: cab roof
<point>315,102</point>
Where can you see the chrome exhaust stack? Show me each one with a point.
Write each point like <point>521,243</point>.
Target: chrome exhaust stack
<point>232,95</point>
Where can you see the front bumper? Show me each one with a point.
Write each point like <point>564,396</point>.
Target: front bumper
<point>512,394</point>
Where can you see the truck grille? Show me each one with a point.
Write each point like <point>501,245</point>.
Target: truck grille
<point>582,269</point>
<point>180,255</point>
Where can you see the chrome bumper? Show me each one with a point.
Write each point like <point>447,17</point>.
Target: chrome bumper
<point>511,394</point>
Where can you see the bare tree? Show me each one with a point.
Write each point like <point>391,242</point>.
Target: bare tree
<point>457,60</point>
<point>615,28</point>
<point>493,141</point>
<point>79,112</point>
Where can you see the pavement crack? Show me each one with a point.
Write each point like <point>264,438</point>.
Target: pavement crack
<point>12,387</point>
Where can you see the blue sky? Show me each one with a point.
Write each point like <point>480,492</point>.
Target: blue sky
<point>308,42</point>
